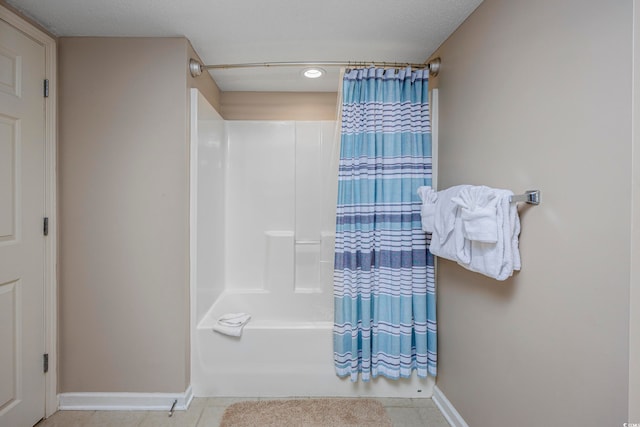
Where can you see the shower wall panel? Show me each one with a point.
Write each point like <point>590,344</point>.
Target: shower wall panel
<point>211,154</point>
<point>280,202</point>
<point>259,198</point>
<point>316,181</point>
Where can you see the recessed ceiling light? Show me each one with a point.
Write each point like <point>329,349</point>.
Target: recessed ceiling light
<point>313,73</point>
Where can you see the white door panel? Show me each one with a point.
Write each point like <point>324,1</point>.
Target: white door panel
<point>22,244</point>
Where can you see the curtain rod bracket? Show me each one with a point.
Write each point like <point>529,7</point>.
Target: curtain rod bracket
<point>434,66</point>
<point>195,67</point>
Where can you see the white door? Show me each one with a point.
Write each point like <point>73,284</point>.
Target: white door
<point>22,243</point>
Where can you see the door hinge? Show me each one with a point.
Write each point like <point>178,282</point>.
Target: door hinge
<point>45,363</point>
<point>45,226</point>
<point>46,88</point>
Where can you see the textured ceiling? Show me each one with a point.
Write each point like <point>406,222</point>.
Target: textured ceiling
<point>239,31</point>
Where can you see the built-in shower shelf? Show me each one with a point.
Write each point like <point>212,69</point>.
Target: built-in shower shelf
<point>308,242</point>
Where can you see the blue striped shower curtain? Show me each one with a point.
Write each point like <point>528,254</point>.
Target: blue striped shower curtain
<point>384,285</point>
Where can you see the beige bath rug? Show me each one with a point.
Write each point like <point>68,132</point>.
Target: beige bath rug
<point>306,413</point>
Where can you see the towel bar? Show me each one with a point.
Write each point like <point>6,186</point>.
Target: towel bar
<point>531,197</point>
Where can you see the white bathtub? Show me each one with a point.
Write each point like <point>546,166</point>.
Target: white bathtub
<point>282,352</point>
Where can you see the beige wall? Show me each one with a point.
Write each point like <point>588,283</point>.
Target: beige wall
<point>279,105</point>
<point>124,219</point>
<point>634,306</point>
<point>537,95</point>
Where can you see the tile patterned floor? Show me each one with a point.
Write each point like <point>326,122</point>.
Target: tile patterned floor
<point>207,412</point>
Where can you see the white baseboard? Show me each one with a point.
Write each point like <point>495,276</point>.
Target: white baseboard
<point>124,401</point>
<point>453,417</point>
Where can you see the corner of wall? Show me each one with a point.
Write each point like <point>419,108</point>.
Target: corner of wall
<point>450,413</point>
<point>204,82</point>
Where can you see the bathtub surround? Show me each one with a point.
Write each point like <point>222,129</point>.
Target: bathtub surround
<point>259,202</point>
<point>267,250</point>
<point>384,288</point>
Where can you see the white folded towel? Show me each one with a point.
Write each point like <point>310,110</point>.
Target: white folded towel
<point>514,231</point>
<point>447,240</point>
<point>232,323</point>
<point>428,210</point>
<point>446,212</point>
<point>475,226</point>
<point>498,260</point>
<point>478,214</point>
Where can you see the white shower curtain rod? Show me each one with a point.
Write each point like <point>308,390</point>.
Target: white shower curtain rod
<point>433,66</point>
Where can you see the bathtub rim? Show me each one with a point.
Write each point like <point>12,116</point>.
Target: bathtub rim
<point>210,318</point>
